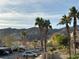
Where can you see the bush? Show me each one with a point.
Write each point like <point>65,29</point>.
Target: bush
<point>74,56</point>
<point>61,40</point>
<point>52,49</point>
<point>60,47</point>
<point>64,41</point>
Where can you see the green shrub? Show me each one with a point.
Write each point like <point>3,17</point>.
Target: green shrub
<point>61,39</point>
<point>52,49</point>
<point>74,56</point>
<point>60,47</point>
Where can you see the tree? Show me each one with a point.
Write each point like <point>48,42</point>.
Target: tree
<point>67,20</point>
<point>60,40</point>
<point>34,43</point>
<point>74,14</point>
<point>40,22</point>
<point>23,36</point>
<point>47,26</point>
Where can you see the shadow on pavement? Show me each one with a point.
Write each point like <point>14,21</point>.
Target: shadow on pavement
<point>56,56</point>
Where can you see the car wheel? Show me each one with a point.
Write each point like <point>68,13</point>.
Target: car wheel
<point>35,55</point>
<point>23,55</point>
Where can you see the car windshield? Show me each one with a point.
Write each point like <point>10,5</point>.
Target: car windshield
<point>29,52</point>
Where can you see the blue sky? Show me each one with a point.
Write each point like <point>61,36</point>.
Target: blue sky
<point>22,13</point>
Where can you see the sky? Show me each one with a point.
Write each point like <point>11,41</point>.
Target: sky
<point>22,13</point>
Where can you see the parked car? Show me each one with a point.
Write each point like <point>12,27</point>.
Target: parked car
<point>40,49</point>
<point>77,45</point>
<point>38,52</point>
<point>3,52</point>
<point>29,53</point>
<point>21,49</point>
<point>18,49</point>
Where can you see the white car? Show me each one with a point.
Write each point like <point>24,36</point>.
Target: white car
<point>29,53</point>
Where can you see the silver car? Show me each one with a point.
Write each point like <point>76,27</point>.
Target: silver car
<point>29,53</point>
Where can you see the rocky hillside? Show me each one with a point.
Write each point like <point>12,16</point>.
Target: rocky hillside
<point>32,33</point>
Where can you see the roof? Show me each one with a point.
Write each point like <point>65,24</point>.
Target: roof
<point>4,48</point>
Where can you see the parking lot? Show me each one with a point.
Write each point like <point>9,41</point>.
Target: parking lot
<point>11,56</point>
<point>18,55</point>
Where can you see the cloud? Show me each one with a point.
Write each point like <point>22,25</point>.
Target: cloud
<point>19,26</point>
<point>16,2</point>
<point>13,2</point>
<point>26,20</point>
<point>3,2</point>
<point>15,16</point>
<point>35,5</point>
<point>24,12</point>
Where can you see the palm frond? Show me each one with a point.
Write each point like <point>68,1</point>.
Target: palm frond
<point>65,19</point>
<point>73,11</point>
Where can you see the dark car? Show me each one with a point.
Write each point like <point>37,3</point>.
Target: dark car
<point>18,49</point>
<point>77,45</point>
<point>3,52</point>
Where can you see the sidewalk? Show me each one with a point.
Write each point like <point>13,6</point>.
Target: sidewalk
<point>52,56</point>
<point>58,56</point>
<point>39,57</point>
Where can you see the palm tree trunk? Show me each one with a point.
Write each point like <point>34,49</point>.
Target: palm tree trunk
<point>41,44</point>
<point>45,45</point>
<point>41,34</point>
<point>74,33</point>
<point>69,38</point>
<point>45,40</point>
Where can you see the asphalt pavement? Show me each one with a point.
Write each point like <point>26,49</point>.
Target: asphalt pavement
<point>18,55</point>
<point>11,56</point>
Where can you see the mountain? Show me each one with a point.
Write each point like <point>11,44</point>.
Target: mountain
<point>32,33</point>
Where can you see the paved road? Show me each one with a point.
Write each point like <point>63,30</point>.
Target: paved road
<point>39,57</point>
<point>15,55</point>
<point>11,56</point>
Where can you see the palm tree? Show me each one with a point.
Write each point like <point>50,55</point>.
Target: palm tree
<point>75,15</point>
<point>39,22</point>
<point>47,26</point>
<point>23,35</point>
<point>67,20</point>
